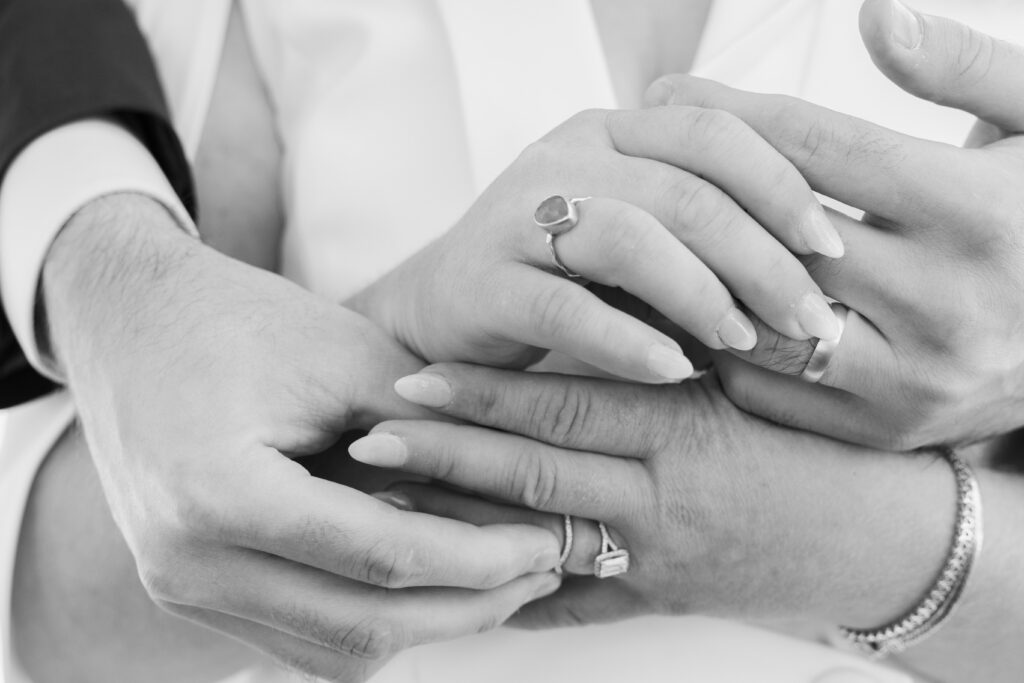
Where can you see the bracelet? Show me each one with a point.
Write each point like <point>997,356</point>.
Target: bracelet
<point>943,598</point>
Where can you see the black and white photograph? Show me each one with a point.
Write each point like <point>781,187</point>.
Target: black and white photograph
<point>511,341</point>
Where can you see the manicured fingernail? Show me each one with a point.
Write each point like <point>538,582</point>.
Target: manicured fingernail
<point>425,389</point>
<point>395,500</point>
<point>547,585</point>
<point>668,363</point>
<point>816,317</point>
<point>906,26</point>
<point>736,331</point>
<point>821,236</point>
<point>379,450</point>
<point>659,92</point>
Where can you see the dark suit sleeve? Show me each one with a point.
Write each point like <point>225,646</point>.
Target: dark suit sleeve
<point>64,60</point>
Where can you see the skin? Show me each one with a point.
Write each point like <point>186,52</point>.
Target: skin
<point>723,513</point>
<point>934,270</point>
<point>348,669</point>
<point>190,418</point>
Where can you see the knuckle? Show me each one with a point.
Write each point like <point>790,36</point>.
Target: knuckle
<point>696,204</point>
<point>562,417</point>
<point>390,565</point>
<point>710,128</point>
<point>974,56</point>
<point>780,354</point>
<point>534,481</point>
<point>372,639</point>
<point>367,638</point>
<point>558,311</point>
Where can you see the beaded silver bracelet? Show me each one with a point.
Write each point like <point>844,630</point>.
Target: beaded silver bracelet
<point>942,599</point>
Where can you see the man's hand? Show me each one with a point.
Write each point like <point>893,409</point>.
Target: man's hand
<point>196,378</point>
<point>934,272</point>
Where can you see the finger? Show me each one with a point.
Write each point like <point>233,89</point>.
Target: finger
<point>620,245</point>
<point>293,653</point>
<point>944,61</point>
<point>580,413</point>
<point>549,312</point>
<point>357,620</point>
<point>862,363</point>
<point>708,143</point>
<point>858,163</point>
<point>681,272</point>
<point>792,402</point>
<point>360,622</point>
<point>342,531</point>
<point>583,600</point>
<point>505,466</point>
<point>443,502</point>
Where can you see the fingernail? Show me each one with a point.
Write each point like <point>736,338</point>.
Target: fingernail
<point>821,236</point>
<point>548,585</point>
<point>736,331</point>
<point>395,500</point>
<point>668,363</point>
<point>379,450</point>
<point>816,317</point>
<point>425,389</point>
<point>906,27</point>
<point>659,92</point>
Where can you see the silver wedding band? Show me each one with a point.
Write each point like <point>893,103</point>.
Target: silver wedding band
<point>557,215</point>
<point>824,350</point>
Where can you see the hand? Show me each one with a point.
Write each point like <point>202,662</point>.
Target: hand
<point>934,272</point>
<point>488,292</point>
<point>197,377</point>
<point>723,513</point>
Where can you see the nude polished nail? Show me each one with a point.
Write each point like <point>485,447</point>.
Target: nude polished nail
<point>821,236</point>
<point>668,363</point>
<point>425,389</point>
<point>379,450</point>
<point>736,331</point>
<point>816,317</point>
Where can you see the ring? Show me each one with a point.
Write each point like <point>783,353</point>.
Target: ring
<point>566,544</point>
<point>556,215</point>
<point>612,559</point>
<point>824,350</point>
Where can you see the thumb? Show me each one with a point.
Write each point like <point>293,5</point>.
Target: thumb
<point>946,62</point>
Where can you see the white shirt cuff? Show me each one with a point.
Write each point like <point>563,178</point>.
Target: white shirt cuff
<point>49,181</point>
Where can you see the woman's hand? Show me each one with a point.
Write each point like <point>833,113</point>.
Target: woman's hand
<point>723,513</point>
<point>197,378</point>
<point>934,274</point>
<point>691,212</point>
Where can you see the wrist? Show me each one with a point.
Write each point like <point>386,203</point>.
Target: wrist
<point>899,530</point>
<point>113,255</point>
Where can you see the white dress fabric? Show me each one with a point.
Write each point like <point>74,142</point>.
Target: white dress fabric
<point>394,115</point>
